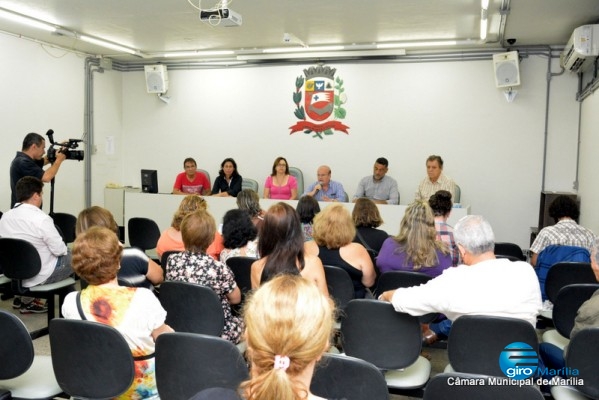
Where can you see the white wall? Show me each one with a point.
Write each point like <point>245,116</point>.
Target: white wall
<point>42,88</point>
<point>589,143</point>
<point>404,112</point>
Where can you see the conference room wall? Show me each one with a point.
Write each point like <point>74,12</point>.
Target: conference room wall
<point>588,178</point>
<point>42,88</point>
<point>404,112</point>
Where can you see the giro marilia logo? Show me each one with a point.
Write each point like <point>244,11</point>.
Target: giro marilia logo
<point>519,361</point>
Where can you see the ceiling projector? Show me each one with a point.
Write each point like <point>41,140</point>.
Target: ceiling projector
<point>221,16</point>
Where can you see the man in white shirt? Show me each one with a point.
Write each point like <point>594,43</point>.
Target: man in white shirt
<point>28,222</point>
<point>436,180</point>
<point>483,285</point>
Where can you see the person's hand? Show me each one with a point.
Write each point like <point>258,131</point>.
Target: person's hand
<point>318,187</point>
<point>60,156</point>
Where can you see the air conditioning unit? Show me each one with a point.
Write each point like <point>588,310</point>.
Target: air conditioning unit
<point>582,48</point>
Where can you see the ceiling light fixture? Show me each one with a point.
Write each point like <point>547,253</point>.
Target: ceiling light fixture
<point>430,43</point>
<point>108,45</point>
<point>484,19</point>
<point>302,49</point>
<point>198,53</point>
<point>25,20</point>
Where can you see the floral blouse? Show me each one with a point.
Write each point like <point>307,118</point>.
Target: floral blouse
<point>203,270</point>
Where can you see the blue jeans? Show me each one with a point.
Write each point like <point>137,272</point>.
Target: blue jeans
<point>62,270</point>
<point>441,327</point>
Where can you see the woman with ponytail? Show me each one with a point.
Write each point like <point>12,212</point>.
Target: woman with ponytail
<point>289,323</point>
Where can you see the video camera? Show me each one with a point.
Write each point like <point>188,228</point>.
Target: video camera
<point>66,148</point>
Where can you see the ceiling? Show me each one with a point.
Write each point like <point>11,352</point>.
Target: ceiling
<point>156,26</point>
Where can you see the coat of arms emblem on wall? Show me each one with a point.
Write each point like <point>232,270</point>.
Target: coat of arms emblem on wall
<point>319,98</point>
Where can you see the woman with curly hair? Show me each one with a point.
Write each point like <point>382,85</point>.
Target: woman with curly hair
<point>239,234</point>
<point>171,238</point>
<point>416,248</point>
<point>289,324</point>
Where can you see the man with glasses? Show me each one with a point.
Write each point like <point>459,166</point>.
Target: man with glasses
<point>325,189</point>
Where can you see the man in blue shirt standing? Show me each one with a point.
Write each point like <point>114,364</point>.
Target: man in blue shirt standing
<point>325,189</point>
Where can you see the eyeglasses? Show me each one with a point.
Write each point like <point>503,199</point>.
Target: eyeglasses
<point>281,165</point>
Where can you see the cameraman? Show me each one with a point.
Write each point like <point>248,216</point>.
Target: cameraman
<point>30,162</point>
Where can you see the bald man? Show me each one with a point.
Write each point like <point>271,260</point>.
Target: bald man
<point>325,189</point>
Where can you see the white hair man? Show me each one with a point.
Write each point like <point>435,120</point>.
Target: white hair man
<point>483,285</point>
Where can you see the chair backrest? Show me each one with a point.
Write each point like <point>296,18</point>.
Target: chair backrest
<point>66,223</point>
<point>568,301</point>
<point>247,183</point>
<point>458,194</point>
<point>550,256</point>
<point>476,342</point>
<point>143,233</point>
<point>203,171</point>
<point>187,363</point>
<point>343,377</point>
<point>90,360</point>
<point>19,259</point>
<point>373,331</point>
<point>567,273</point>
<point>509,249</point>
<point>16,346</point>
<point>299,176</point>
<point>164,260</point>
<point>242,268</point>
<point>445,387</point>
<point>340,285</point>
<point>583,354</point>
<point>192,308</point>
<point>392,280</point>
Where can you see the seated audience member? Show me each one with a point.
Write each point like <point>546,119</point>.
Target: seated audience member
<point>367,219</point>
<point>333,234</point>
<point>239,235</point>
<point>325,189</point>
<point>134,312</point>
<point>281,246</point>
<point>483,285</point>
<point>587,317</point>
<point>435,181</point>
<point>191,181</point>
<point>289,324</point>
<point>27,221</point>
<point>228,181</point>
<point>171,238</point>
<point>416,248</point>
<point>137,269</point>
<point>441,205</point>
<point>307,208</point>
<point>280,184</point>
<point>248,200</point>
<point>565,232</point>
<point>379,187</point>
<point>195,266</point>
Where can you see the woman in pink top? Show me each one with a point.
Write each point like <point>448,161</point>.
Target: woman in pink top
<point>280,185</point>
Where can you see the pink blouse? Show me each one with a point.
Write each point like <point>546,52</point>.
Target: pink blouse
<point>281,192</point>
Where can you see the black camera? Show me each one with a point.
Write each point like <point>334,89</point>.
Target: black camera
<point>65,148</point>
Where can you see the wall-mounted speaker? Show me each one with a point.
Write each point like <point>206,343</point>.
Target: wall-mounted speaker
<point>507,69</point>
<point>156,78</point>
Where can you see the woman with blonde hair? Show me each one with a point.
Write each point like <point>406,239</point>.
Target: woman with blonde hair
<point>281,246</point>
<point>289,324</point>
<point>171,238</point>
<point>333,233</point>
<point>137,269</point>
<point>416,248</point>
